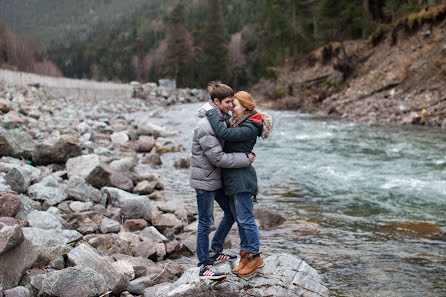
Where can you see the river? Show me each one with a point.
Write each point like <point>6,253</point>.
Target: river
<point>350,180</point>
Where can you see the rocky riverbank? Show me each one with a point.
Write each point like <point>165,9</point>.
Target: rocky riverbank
<point>83,214</point>
<point>396,76</point>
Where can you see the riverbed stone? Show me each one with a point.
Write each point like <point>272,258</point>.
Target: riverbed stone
<point>84,256</point>
<point>50,237</point>
<point>167,223</point>
<point>78,189</point>
<point>44,220</point>
<point>152,234</point>
<point>48,190</point>
<point>89,167</point>
<point>132,206</point>
<point>18,180</point>
<point>10,237</point>
<point>108,244</point>
<point>282,275</point>
<point>133,225</point>
<point>268,219</point>
<point>16,143</point>
<point>145,187</point>
<point>26,206</point>
<point>109,226</point>
<point>121,181</point>
<point>18,260</point>
<point>74,282</point>
<point>122,165</point>
<point>19,291</point>
<point>9,204</point>
<point>64,148</point>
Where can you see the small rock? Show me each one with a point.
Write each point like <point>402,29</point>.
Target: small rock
<point>133,225</point>
<point>9,204</point>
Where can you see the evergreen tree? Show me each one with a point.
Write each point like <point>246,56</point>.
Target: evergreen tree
<point>215,45</point>
<point>179,48</point>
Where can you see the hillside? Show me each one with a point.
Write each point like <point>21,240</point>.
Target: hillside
<point>397,75</point>
<point>64,21</point>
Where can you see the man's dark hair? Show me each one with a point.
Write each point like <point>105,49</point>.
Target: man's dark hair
<point>219,90</point>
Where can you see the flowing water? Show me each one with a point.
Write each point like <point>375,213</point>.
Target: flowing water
<point>349,181</point>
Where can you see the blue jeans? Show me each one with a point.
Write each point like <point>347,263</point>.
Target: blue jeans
<point>205,203</point>
<point>241,207</point>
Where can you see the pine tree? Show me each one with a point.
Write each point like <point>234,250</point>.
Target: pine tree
<point>179,48</point>
<point>215,45</point>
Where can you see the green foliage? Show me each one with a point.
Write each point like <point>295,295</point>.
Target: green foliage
<point>214,44</point>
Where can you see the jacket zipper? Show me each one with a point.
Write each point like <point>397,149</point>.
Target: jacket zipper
<point>211,172</point>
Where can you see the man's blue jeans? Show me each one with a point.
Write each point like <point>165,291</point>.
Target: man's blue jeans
<point>205,203</point>
<point>241,207</point>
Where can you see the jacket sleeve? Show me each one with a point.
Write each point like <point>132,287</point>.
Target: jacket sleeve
<point>214,152</point>
<point>233,134</point>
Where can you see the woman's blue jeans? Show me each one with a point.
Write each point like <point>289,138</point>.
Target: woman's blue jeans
<point>205,203</point>
<point>241,207</point>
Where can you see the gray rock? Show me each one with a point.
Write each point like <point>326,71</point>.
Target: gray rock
<point>90,168</point>
<point>152,234</point>
<point>109,226</point>
<point>4,187</point>
<point>43,219</point>
<point>122,165</point>
<point>18,292</point>
<point>132,206</point>
<point>145,187</point>
<point>138,285</point>
<point>268,219</point>
<point>78,206</point>
<point>79,189</point>
<point>18,260</point>
<point>51,254</point>
<point>153,160</point>
<point>16,143</point>
<point>85,256</point>
<point>140,265</point>
<point>48,190</point>
<point>10,237</point>
<point>121,181</point>
<point>282,275</point>
<point>131,238</point>
<point>17,180</point>
<point>26,206</point>
<point>50,237</point>
<point>74,282</point>
<point>119,137</point>
<point>125,268</point>
<point>65,147</point>
<point>145,249</point>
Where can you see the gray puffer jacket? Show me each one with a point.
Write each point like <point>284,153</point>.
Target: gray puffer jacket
<point>207,156</point>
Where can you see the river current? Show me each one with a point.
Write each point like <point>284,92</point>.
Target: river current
<point>347,181</point>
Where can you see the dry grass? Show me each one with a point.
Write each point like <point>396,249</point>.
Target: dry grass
<point>426,15</point>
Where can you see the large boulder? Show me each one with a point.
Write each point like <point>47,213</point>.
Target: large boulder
<point>84,256</point>
<point>89,167</point>
<point>132,206</point>
<point>282,275</point>
<point>48,190</point>
<point>16,143</point>
<point>59,152</point>
<point>78,189</point>
<point>74,282</point>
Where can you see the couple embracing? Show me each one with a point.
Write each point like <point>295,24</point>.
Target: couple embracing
<point>221,171</point>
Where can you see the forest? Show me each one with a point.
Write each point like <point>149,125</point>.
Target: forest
<point>194,42</point>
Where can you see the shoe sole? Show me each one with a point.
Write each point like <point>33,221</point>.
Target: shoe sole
<point>263,264</point>
<point>213,277</point>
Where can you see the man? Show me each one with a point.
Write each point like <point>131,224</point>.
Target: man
<point>206,160</point>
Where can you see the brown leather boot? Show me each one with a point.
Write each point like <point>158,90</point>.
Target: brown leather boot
<point>243,261</point>
<point>254,261</point>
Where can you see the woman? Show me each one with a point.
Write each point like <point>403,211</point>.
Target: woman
<point>240,184</point>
